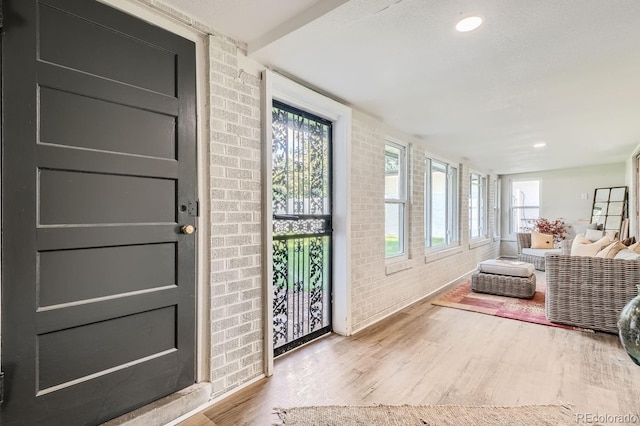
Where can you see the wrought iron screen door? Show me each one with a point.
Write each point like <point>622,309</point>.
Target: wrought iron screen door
<point>301,175</point>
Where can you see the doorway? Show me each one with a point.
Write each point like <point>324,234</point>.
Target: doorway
<point>302,230</point>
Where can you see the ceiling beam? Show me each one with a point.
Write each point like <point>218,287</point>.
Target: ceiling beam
<point>305,17</point>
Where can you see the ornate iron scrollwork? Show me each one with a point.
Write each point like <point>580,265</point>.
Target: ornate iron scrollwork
<point>301,225</point>
<point>280,288</point>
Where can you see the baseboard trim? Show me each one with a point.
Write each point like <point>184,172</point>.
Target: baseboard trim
<point>213,401</point>
<point>432,295</point>
<point>166,409</point>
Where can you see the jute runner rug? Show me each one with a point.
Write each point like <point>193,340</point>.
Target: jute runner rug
<point>436,415</point>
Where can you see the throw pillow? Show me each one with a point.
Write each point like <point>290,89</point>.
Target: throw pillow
<point>593,235</point>
<point>635,247</point>
<point>580,239</point>
<point>627,254</point>
<point>610,251</point>
<point>613,235</point>
<point>629,241</point>
<point>583,247</point>
<point>541,241</point>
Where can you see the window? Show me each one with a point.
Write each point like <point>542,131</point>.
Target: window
<point>395,185</point>
<point>441,203</point>
<point>525,204</point>
<point>478,206</point>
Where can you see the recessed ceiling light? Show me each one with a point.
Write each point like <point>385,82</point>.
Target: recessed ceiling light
<point>540,145</point>
<point>469,24</point>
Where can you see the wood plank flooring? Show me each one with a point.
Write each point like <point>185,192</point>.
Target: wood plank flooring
<point>434,355</point>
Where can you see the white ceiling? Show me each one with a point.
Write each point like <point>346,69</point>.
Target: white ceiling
<point>566,72</point>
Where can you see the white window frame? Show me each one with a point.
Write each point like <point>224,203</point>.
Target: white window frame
<point>497,197</point>
<point>402,198</point>
<point>452,238</point>
<point>512,228</point>
<point>482,207</point>
<point>281,88</point>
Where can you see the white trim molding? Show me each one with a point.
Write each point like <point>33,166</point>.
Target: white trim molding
<point>277,87</point>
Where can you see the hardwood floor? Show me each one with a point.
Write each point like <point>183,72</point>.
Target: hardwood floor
<point>434,355</point>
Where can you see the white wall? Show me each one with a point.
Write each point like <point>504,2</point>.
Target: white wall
<point>561,194</point>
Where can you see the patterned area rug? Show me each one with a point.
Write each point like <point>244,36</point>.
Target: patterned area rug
<point>528,310</point>
<point>405,415</point>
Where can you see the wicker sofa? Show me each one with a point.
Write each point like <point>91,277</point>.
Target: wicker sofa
<point>589,292</point>
<point>524,242</point>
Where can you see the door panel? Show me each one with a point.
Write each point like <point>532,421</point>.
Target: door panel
<point>98,283</point>
<point>111,270</point>
<point>67,197</point>
<point>120,57</point>
<point>84,122</point>
<point>75,353</point>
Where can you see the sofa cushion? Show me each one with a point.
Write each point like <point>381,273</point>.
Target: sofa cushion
<point>627,254</point>
<point>611,250</point>
<point>541,241</point>
<point>583,247</point>
<point>512,268</point>
<point>540,252</point>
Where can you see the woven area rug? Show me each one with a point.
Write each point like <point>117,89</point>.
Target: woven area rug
<point>528,310</point>
<point>405,415</point>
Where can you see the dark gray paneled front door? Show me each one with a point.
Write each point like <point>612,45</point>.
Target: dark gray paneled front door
<point>98,170</point>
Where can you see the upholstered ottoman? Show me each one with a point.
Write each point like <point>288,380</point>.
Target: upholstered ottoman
<point>505,278</point>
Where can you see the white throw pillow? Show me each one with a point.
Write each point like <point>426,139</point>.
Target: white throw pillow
<point>583,247</point>
<point>613,235</point>
<point>627,254</point>
<point>593,235</point>
<point>635,247</point>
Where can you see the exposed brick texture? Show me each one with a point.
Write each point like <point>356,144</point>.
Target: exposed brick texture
<point>236,276</point>
<point>376,293</point>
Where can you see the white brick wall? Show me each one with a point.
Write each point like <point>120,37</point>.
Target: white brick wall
<point>377,293</point>
<point>367,215</point>
<point>236,278</point>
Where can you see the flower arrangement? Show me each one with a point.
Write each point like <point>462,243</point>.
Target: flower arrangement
<point>558,228</point>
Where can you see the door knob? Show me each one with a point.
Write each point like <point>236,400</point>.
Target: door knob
<point>188,229</point>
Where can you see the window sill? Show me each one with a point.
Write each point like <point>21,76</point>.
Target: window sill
<point>479,243</point>
<point>441,254</point>
<point>397,265</point>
